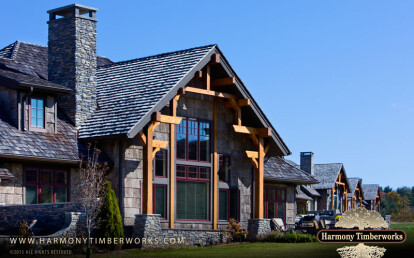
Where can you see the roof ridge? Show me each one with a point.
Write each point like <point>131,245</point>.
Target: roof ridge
<point>338,163</point>
<point>157,55</point>
<point>28,43</point>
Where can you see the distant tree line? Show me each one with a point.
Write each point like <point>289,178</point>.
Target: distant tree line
<point>399,203</point>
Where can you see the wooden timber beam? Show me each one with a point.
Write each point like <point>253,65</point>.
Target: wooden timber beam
<point>267,148</point>
<point>254,139</point>
<point>210,93</point>
<point>142,138</point>
<point>262,132</point>
<point>339,183</point>
<point>166,119</point>
<point>198,75</point>
<point>147,203</point>
<point>223,82</point>
<point>259,182</point>
<point>252,154</point>
<point>243,102</point>
<point>215,164</point>
<point>215,59</point>
<point>158,145</point>
<point>207,79</point>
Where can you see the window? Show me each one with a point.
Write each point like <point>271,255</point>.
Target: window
<point>228,204</point>
<point>193,140</point>
<point>160,166</point>
<point>37,111</point>
<point>275,202</point>
<point>224,168</point>
<point>193,192</point>
<point>46,186</point>
<point>160,200</point>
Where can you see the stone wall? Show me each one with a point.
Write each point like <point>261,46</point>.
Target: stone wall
<point>258,228</point>
<point>11,190</point>
<point>50,217</point>
<point>148,229</point>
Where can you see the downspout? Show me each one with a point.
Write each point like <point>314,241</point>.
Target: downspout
<point>26,114</point>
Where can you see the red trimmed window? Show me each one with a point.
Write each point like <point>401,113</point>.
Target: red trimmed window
<point>37,112</point>
<point>193,140</point>
<point>46,186</point>
<point>228,204</point>
<point>160,165</point>
<point>275,202</point>
<point>193,193</point>
<point>224,168</point>
<point>160,200</point>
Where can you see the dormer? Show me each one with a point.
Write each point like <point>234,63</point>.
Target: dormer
<point>29,102</point>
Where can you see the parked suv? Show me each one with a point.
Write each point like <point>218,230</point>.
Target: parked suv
<point>314,221</point>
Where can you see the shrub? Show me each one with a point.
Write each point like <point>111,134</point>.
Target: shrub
<point>235,230</point>
<point>110,220</point>
<point>289,237</point>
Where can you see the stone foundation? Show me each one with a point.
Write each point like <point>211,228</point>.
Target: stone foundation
<point>148,229</point>
<point>257,228</point>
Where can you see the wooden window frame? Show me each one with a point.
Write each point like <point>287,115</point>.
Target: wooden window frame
<point>276,201</point>
<point>53,184</point>
<point>165,200</point>
<point>187,129</point>
<point>44,112</point>
<point>165,158</point>
<point>197,180</point>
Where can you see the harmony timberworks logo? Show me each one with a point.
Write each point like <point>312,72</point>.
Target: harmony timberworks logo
<point>370,225</point>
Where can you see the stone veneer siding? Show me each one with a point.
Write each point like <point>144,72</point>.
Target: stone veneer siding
<point>72,63</point>
<point>148,229</point>
<point>257,228</point>
<point>11,190</point>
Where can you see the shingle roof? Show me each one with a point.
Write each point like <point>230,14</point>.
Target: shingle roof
<point>61,146</point>
<point>326,174</point>
<point>370,191</point>
<point>15,79</point>
<point>31,59</point>
<point>129,90</point>
<point>5,172</point>
<point>353,182</point>
<point>278,170</point>
<point>301,195</point>
<point>310,191</point>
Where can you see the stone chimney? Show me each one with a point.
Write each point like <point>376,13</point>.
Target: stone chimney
<point>306,162</point>
<point>72,58</point>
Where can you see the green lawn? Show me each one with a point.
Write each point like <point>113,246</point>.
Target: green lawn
<point>279,249</point>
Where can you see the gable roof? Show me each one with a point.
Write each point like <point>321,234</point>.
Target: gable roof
<point>278,170</point>
<point>301,195</point>
<point>327,174</point>
<point>370,191</point>
<point>130,92</point>
<point>127,91</point>
<point>353,183</point>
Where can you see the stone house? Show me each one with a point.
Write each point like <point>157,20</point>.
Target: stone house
<point>185,138</point>
<point>372,197</point>
<point>355,195</point>
<point>332,189</point>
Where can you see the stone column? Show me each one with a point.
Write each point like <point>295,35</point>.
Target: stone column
<point>147,228</point>
<point>257,228</point>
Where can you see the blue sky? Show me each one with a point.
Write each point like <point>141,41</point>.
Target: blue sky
<point>334,77</point>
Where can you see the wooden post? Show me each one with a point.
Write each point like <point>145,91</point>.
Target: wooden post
<point>147,185</point>
<point>259,182</point>
<point>207,78</point>
<point>215,164</point>
<point>173,112</point>
<point>346,200</point>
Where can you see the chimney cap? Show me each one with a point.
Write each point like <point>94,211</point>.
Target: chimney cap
<point>73,10</point>
<point>306,153</point>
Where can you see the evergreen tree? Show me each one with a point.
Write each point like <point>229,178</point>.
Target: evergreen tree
<point>110,220</point>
